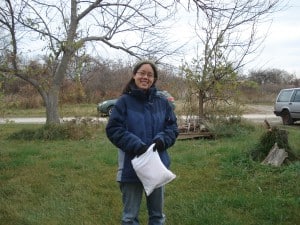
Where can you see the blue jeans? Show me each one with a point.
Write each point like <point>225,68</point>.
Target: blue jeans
<point>132,194</point>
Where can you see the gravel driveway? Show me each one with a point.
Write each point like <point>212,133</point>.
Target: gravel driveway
<point>256,113</point>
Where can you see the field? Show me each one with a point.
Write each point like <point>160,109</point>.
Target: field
<point>73,182</point>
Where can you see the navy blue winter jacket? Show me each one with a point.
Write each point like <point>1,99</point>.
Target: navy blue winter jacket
<point>137,119</point>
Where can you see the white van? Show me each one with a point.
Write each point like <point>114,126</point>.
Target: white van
<point>287,105</point>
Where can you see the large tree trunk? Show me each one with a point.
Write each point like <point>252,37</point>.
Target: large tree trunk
<point>52,115</point>
<point>51,102</point>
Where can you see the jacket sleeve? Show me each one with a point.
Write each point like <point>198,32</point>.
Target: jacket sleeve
<point>170,132</point>
<point>117,132</point>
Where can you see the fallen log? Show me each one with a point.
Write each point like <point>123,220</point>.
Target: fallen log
<point>276,156</point>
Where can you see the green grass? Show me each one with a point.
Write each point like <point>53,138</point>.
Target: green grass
<point>80,110</point>
<point>73,182</point>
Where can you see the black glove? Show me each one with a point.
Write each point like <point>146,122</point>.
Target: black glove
<point>159,145</point>
<point>141,150</point>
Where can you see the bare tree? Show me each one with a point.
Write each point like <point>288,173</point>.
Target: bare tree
<point>227,30</point>
<point>68,27</point>
<point>271,76</point>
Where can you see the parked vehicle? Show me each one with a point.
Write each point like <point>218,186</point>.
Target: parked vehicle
<point>287,105</point>
<point>106,107</point>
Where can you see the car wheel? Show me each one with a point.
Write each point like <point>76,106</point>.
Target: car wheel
<point>286,118</point>
<point>109,110</point>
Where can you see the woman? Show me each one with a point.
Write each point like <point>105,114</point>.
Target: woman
<point>140,118</point>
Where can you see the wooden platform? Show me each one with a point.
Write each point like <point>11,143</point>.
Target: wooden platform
<point>191,135</point>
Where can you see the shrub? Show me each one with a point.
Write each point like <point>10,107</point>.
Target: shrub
<point>267,141</point>
<point>24,134</point>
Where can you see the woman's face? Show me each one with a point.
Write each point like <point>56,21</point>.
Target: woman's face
<point>144,77</point>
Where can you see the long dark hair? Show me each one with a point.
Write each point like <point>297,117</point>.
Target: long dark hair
<point>137,66</point>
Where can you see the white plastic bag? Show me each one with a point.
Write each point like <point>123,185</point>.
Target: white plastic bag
<point>151,171</point>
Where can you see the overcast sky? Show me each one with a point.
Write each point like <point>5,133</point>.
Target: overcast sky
<point>281,48</point>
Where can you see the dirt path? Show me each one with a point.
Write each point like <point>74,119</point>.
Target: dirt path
<point>259,109</point>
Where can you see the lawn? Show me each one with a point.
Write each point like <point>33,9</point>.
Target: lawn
<point>67,110</point>
<point>73,182</point>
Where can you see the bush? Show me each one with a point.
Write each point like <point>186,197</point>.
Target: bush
<point>267,141</point>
